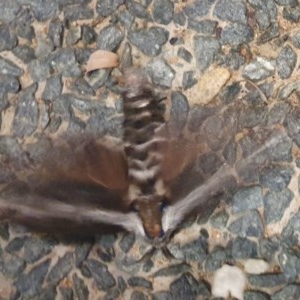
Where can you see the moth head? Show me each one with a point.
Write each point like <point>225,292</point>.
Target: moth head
<point>150,209</point>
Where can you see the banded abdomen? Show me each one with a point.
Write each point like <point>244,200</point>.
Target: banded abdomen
<point>143,118</point>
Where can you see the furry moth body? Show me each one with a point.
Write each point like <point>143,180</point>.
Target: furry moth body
<point>126,184</point>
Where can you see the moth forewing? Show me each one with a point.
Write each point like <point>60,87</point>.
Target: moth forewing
<point>198,200</point>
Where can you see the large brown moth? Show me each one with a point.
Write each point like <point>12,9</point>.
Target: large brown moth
<point>142,184</point>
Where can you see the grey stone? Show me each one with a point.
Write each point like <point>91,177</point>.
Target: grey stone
<point>107,254</point>
<point>138,10</point>
<point>126,19</point>
<point>9,84</point>
<point>292,122</point>
<point>149,41</point>
<point>73,35</point>
<point>78,12</point>
<point>61,269</point>
<point>267,280</point>
<point>247,198</point>
<point>7,39</point>
<point>82,87</point>
<point>188,80</point>
<point>179,18</point>
<point>27,114</point>
<point>289,262</point>
<point>172,270</point>
<point>291,14</point>
<point>109,38</point>
<point>53,88</point>
<point>278,112</point>
<point>107,7</point>
<point>88,34</point>
<point>275,204</point>
<point>251,117</point>
<point>243,248</point>
<point>286,62</point>
<point>179,110</point>
<point>259,69</point>
<point>295,39</point>
<point>219,220</point>
<point>66,293</point>
<point>25,53</point>
<point>265,12</point>
<point>127,242</point>
<point>187,287</point>
<point>276,177</point>
<point>39,69</point>
<point>287,2</point>
<point>43,9</point>
<point>30,284</point>
<point>197,116</point>
<point>248,225</point>
<point>36,248</point>
<point>14,266</point>
<point>103,278</point>
<point>255,295</point>
<point>269,34</point>
<point>9,68</point>
<point>206,49</point>
<point>81,290</point>
<point>205,26</point>
<point>162,296</point>
<point>9,10</point>
<point>289,292</point>
<point>126,59</point>
<point>16,244</point>
<point>48,293</point>
<point>184,54</point>
<point>64,61</point>
<point>216,259</point>
<point>233,11</point>
<point>163,11</point>
<point>198,9</point>
<point>139,282</point>
<point>136,295</point>
<point>236,34</point>
<point>56,32</point>
<point>160,72</point>
<point>82,251</point>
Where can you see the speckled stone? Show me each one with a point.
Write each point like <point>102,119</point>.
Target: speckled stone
<point>259,69</point>
<point>24,52</point>
<point>289,292</point>
<point>53,88</point>
<point>276,177</point>
<point>206,49</point>
<point>80,289</point>
<point>267,280</point>
<point>107,7</point>
<point>243,248</point>
<point>7,39</point>
<point>248,225</point>
<point>36,248</point>
<point>161,72</point>
<point>233,11</point>
<point>172,270</point>
<point>149,41</point>
<point>30,284</point>
<point>56,32</point>
<point>286,62</point>
<point>26,116</point>
<point>103,278</point>
<point>61,268</point>
<point>187,287</point>
<point>127,242</point>
<point>179,110</point>
<point>78,12</point>
<point>236,34</point>
<point>163,11</point>
<point>139,282</point>
<point>198,9</point>
<point>216,259</point>
<point>109,38</point>
<point>255,295</point>
<point>247,198</point>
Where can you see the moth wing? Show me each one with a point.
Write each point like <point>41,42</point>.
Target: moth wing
<point>88,161</point>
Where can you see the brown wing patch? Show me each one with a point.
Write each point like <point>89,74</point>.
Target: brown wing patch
<point>87,162</point>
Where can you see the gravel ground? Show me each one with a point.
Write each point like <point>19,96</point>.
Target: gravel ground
<point>206,55</point>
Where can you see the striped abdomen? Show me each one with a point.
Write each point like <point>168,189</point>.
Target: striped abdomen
<point>143,117</point>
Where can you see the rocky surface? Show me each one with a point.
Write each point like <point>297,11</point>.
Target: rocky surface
<point>223,64</point>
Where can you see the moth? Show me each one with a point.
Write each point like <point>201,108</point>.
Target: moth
<point>145,183</point>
